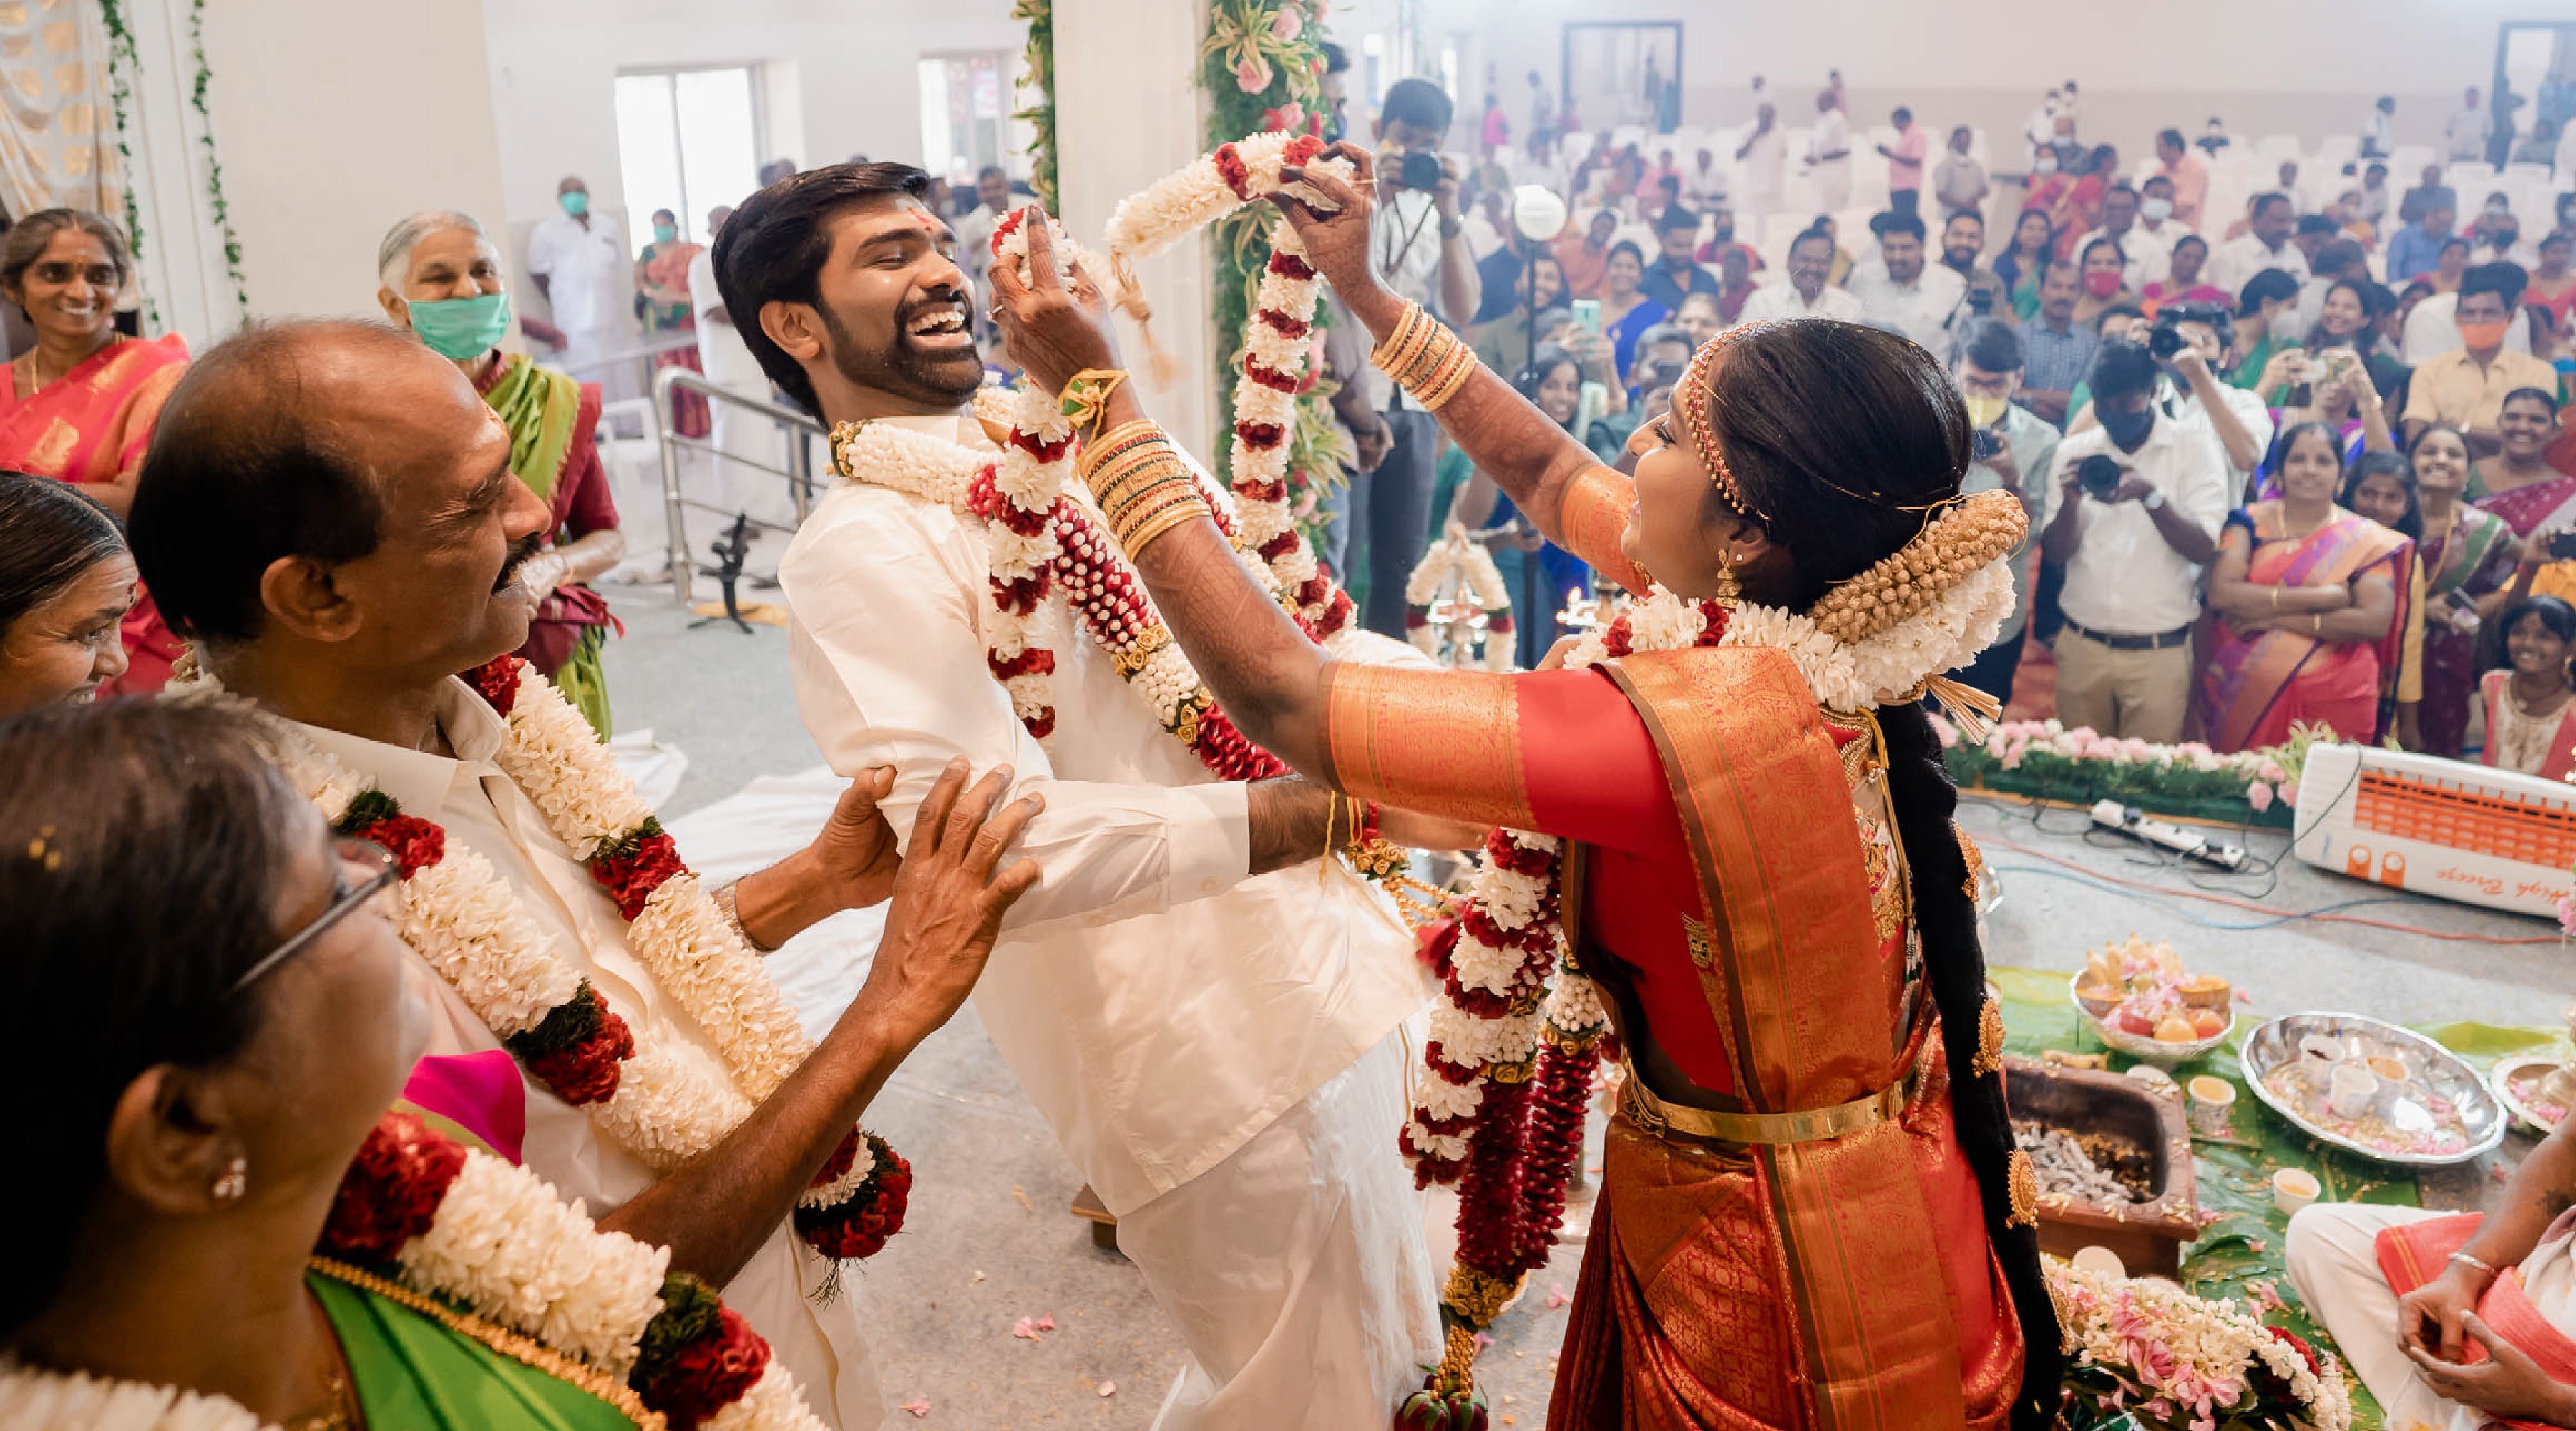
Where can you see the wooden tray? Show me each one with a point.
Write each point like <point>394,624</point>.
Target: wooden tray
<point>2148,1236</point>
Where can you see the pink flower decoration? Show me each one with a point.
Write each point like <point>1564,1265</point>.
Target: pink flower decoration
<point>1949,733</point>
<point>1252,74</point>
<point>1290,118</point>
<point>2567,913</point>
<point>2271,770</point>
<point>2259,795</point>
<point>1289,24</point>
<point>919,1406</point>
<point>2289,792</point>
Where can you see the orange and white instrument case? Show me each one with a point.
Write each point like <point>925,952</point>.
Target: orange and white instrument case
<point>2438,827</point>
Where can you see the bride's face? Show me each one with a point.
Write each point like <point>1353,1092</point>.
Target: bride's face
<point>1680,530</point>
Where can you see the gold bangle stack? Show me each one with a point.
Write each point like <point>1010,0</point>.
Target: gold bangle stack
<point>1425,358</point>
<point>1142,485</point>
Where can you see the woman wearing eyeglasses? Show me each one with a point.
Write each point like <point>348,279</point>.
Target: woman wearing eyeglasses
<point>79,406</point>
<point>216,1043</point>
<point>66,584</point>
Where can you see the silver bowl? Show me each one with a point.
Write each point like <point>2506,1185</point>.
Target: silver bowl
<point>2482,1118</point>
<point>2500,1078</point>
<point>2142,1046</point>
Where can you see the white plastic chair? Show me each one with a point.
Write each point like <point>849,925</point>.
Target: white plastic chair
<point>2277,147</point>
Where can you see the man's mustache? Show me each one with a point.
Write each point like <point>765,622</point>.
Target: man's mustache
<point>520,553</point>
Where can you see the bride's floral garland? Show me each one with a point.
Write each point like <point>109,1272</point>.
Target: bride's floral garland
<point>1460,558</point>
<point>434,1225</point>
<point>1511,1057</point>
<point>658,1103</point>
<point>1278,345</point>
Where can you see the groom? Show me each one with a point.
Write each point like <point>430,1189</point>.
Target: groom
<point>1216,1045</point>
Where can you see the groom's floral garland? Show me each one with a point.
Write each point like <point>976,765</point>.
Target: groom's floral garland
<point>439,1227</point>
<point>660,1103</point>
<point>1511,1057</point>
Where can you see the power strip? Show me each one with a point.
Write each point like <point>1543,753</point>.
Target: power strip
<point>2136,823</point>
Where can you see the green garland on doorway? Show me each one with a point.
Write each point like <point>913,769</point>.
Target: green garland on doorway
<point>123,63</point>
<point>216,207</point>
<point>1262,65</point>
<point>1039,82</point>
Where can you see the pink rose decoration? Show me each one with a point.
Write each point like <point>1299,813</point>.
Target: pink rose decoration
<point>2567,913</point>
<point>1289,24</point>
<point>2259,795</point>
<point>2271,770</point>
<point>1288,118</point>
<point>2289,792</point>
<point>1252,74</point>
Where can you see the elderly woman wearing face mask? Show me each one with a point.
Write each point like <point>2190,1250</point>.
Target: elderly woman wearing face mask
<point>66,583</point>
<point>80,404</point>
<point>442,282</point>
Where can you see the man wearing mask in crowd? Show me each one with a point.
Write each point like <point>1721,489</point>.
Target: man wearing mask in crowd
<point>2266,244</point>
<point>581,265</point>
<point>1963,242</point>
<point>1959,181</point>
<point>2187,172</point>
<point>975,240</point>
<point>1722,239</point>
<point>2466,386</point>
<point>1904,295</point>
<point>1804,294</point>
<point>2056,350</point>
<point>1765,157</point>
<point>2193,394</point>
<point>1675,275</point>
<point>2497,236</point>
<point>2468,129</point>
<point>2157,229</point>
<point>2133,548</point>
<point>2014,452</point>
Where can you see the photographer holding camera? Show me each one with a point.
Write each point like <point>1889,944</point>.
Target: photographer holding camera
<point>2136,502</point>
<point>1420,249</point>
<point>2013,451</point>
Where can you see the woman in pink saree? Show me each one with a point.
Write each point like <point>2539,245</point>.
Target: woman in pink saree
<point>2312,600</point>
<point>80,404</point>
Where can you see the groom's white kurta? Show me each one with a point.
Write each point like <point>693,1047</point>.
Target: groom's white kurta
<point>1218,1055</point>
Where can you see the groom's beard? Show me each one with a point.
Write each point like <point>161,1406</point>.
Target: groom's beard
<point>947,378</point>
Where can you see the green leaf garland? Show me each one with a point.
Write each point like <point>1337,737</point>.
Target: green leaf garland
<point>124,62</point>
<point>1039,82</point>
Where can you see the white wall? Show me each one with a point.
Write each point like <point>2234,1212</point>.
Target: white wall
<point>335,118</point>
<point>2309,67</point>
<point>856,84</point>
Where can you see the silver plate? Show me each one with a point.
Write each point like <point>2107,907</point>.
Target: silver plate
<point>2437,1068</point>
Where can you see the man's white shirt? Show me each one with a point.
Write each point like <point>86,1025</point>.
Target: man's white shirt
<point>1159,1007</point>
<point>1921,310</point>
<point>2232,263</point>
<point>2148,249</point>
<point>587,270</point>
<point>1782,300</point>
<point>2125,579</point>
<point>779,1289</point>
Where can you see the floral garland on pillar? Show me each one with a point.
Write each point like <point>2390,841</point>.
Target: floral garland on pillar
<point>487,1248</point>
<point>465,921</point>
<point>1039,82</point>
<point>1262,65</point>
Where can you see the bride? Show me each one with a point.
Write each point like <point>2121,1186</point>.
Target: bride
<point>1811,1211</point>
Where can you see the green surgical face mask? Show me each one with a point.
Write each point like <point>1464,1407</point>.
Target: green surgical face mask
<point>665,233</point>
<point>575,203</point>
<point>460,328</point>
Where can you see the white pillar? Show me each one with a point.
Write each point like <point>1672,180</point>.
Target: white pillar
<point>1128,111</point>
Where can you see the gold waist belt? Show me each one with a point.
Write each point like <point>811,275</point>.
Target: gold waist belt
<point>1808,1125</point>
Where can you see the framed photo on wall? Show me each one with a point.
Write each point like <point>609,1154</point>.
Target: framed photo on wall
<point>1623,74</point>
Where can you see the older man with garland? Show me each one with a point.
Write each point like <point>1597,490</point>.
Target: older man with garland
<point>328,511</point>
<point>1209,1022</point>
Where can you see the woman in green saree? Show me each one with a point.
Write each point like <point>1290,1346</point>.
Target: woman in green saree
<point>211,993</point>
<point>442,281</point>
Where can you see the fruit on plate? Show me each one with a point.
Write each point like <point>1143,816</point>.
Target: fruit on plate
<point>2139,988</point>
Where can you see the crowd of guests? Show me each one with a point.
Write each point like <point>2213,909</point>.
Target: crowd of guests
<point>2302,464</point>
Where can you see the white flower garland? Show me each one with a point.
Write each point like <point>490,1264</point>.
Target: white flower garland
<point>502,1245</point>
<point>469,925</point>
<point>2189,1350</point>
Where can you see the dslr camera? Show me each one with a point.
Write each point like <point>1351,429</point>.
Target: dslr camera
<point>2165,339</point>
<point>1419,172</point>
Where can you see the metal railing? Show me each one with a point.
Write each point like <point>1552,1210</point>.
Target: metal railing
<point>798,473</point>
